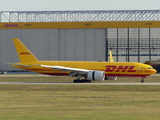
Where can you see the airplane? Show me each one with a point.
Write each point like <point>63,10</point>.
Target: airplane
<point>84,71</point>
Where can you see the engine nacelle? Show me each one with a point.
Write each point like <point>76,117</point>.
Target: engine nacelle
<point>96,75</point>
<point>110,78</point>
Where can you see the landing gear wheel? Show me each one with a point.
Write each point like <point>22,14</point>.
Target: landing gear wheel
<point>142,81</point>
<point>76,81</point>
<point>81,81</point>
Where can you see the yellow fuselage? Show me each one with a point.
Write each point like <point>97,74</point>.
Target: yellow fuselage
<point>125,69</point>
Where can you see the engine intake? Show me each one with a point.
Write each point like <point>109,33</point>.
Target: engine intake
<point>96,75</point>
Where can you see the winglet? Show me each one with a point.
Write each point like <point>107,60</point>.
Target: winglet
<point>111,58</point>
<point>23,52</point>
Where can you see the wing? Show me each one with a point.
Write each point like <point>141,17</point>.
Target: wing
<point>72,71</point>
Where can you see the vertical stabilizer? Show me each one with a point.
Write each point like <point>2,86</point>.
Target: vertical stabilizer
<point>23,52</point>
<point>111,58</point>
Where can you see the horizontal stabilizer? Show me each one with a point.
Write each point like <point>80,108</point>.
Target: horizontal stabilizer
<point>20,64</point>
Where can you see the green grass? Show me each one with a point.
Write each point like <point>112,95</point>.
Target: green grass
<point>41,102</point>
<point>77,102</point>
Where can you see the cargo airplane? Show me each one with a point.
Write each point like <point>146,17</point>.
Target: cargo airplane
<point>83,71</point>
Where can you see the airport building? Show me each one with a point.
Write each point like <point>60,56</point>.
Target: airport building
<point>132,35</point>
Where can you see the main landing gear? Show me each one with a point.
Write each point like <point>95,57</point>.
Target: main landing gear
<point>81,81</point>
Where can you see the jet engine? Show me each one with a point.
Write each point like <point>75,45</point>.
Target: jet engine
<point>96,75</point>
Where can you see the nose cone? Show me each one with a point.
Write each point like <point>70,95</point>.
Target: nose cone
<point>150,72</point>
<point>154,71</point>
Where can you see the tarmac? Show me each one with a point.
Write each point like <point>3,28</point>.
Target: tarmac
<point>68,83</point>
<point>63,83</point>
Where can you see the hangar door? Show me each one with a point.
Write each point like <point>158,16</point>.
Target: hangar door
<point>54,44</point>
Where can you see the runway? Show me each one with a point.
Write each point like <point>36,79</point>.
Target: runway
<point>33,75</point>
<point>55,83</point>
<point>68,83</point>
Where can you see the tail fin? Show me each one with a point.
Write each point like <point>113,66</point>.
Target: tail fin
<point>111,58</point>
<point>23,53</point>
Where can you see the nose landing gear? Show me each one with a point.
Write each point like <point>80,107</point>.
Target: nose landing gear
<point>142,80</point>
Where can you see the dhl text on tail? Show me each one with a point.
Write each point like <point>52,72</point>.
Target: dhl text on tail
<point>83,71</point>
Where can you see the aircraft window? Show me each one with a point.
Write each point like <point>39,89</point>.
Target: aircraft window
<point>150,68</point>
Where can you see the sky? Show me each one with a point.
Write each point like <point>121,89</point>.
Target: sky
<point>62,5</point>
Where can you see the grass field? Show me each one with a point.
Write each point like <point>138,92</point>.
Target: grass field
<point>78,102</point>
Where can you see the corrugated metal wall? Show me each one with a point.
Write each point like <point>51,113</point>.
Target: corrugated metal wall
<point>54,44</point>
<point>134,44</point>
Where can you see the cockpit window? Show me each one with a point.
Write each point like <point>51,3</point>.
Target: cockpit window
<point>150,68</point>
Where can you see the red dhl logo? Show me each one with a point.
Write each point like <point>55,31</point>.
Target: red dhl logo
<point>11,25</point>
<point>25,53</point>
<point>120,69</point>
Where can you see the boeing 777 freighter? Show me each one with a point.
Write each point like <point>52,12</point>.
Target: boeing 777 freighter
<point>83,71</point>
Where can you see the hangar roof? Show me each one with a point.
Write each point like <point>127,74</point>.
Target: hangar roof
<point>80,16</point>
